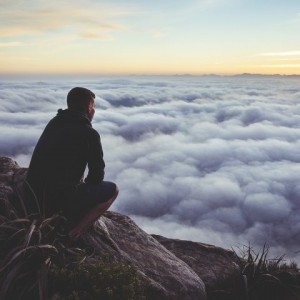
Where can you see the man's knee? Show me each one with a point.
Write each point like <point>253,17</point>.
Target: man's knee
<point>111,200</point>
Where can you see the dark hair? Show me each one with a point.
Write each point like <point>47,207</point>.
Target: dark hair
<point>79,98</point>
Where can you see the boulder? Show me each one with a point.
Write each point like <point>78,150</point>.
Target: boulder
<point>164,275</point>
<point>169,268</point>
<point>219,268</point>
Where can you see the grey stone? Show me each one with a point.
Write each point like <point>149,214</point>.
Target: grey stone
<point>169,268</point>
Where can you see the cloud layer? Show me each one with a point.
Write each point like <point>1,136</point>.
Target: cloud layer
<point>212,159</point>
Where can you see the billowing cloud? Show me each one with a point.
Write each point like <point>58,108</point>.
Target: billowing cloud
<point>212,159</point>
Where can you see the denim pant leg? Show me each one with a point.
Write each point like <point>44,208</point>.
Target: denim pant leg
<point>97,193</point>
<point>90,195</point>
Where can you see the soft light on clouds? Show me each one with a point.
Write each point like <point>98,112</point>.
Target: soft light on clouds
<point>287,53</point>
<point>157,33</point>
<point>10,44</point>
<point>283,66</point>
<point>160,37</point>
<point>44,17</point>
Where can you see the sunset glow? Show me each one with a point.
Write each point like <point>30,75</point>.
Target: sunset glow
<point>150,37</point>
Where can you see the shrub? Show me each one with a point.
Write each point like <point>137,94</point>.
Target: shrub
<point>102,280</point>
<point>37,262</point>
<point>269,279</point>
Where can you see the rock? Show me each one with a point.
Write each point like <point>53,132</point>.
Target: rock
<point>169,268</point>
<point>7,165</point>
<point>219,268</point>
<point>165,275</point>
<point>11,185</point>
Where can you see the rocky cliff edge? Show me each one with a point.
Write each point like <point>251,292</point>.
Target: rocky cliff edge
<point>169,268</point>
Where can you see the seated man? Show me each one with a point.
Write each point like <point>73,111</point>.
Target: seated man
<point>55,175</point>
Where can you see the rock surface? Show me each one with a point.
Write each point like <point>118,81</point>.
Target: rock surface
<point>170,269</point>
<point>165,275</point>
<point>217,267</point>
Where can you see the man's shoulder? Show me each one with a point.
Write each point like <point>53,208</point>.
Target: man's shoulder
<point>77,124</point>
<point>93,132</point>
<point>88,130</point>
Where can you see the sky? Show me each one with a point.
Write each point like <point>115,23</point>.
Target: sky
<point>203,158</point>
<point>149,37</point>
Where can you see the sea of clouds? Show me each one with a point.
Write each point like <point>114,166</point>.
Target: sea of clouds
<point>210,159</point>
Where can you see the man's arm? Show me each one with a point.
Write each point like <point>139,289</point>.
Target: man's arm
<point>96,163</point>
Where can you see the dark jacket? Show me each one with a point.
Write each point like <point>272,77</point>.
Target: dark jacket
<point>67,145</point>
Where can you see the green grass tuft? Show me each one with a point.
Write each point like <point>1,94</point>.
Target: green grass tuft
<point>269,279</point>
<point>103,280</point>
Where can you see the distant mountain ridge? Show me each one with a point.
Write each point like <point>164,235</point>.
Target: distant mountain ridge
<point>249,75</point>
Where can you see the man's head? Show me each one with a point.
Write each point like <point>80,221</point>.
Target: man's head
<point>82,100</point>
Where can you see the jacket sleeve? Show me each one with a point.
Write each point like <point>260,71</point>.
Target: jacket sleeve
<point>96,163</point>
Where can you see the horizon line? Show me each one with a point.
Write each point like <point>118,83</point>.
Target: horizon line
<point>69,74</point>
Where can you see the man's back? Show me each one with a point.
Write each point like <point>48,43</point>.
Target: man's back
<point>57,166</point>
<point>67,144</point>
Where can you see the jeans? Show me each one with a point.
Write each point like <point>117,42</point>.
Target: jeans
<point>88,196</point>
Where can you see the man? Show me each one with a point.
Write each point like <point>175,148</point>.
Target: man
<point>55,175</point>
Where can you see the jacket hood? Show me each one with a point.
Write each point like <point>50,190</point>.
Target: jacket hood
<point>72,116</point>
